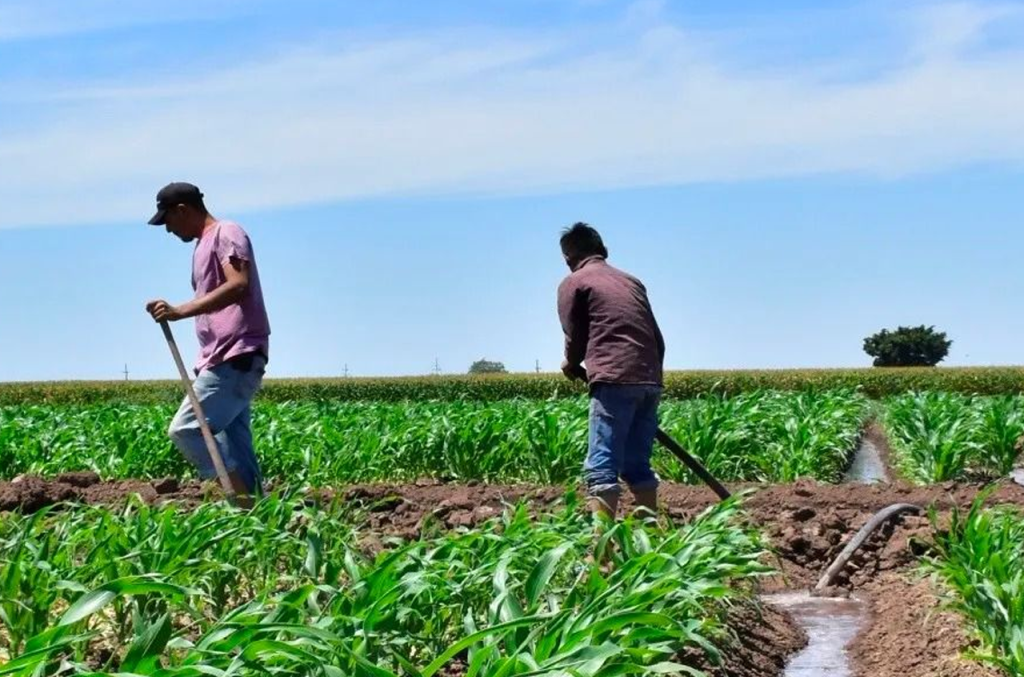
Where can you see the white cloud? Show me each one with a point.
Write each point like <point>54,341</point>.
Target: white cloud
<point>501,112</point>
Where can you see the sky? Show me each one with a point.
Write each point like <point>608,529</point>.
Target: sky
<point>786,178</point>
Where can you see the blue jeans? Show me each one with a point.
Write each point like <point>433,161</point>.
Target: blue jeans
<point>623,423</point>
<point>225,394</point>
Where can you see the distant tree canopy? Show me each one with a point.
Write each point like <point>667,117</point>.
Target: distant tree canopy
<point>487,367</point>
<point>908,347</point>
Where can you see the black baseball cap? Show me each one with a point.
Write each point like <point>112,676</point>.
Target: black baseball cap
<point>177,193</point>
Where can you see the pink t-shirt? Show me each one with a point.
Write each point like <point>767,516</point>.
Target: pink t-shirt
<point>242,327</point>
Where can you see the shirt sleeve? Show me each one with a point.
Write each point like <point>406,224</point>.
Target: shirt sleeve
<point>575,318</point>
<point>233,243</point>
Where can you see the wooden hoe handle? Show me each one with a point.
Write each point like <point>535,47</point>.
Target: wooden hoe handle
<point>211,443</point>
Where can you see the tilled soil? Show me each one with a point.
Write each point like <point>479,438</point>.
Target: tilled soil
<point>30,494</point>
<point>909,634</point>
<point>806,523</point>
<point>765,638</point>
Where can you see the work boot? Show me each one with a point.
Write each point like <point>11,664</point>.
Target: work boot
<point>605,503</point>
<point>244,499</point>
<point>646,503</point>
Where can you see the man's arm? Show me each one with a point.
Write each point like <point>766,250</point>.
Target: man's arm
<point>234,289</point>
<point>575,317</point>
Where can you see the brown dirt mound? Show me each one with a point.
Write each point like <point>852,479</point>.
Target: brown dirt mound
<point>767,637</point>
<point>910,634</point>
<point>29,494</point>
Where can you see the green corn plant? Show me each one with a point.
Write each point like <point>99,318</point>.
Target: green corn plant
<point>1001,425</point>
<point>980,562</point>
<point>518,593</point>
<point>944,436</point>
<point>931,435</point>
<point>764,435</point>
<point>29,579</point>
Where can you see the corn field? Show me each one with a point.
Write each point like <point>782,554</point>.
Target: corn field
<point>298,588</point>
<point>761,436</point>
<point>944,436</point>
<point>872,382</point>
<point>287,589</point>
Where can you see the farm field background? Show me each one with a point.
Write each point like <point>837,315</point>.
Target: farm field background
<point>770,426</point>
<point>418,557</point>
<point>873,382</point>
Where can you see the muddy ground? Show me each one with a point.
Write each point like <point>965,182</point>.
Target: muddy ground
<point>807,524</point>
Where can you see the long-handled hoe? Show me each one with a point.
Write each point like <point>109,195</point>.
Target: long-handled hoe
<point>211,443</point>
<point>692,463</point>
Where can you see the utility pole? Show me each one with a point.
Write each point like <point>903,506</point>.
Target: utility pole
<point>538,366</point>
<point>125,372</point>
<point>437,367</point>
<point>346,370</point>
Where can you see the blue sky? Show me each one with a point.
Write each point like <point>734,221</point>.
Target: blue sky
<point>786,180</point>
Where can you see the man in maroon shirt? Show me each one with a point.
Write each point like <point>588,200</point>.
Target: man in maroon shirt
<point>609,326</point>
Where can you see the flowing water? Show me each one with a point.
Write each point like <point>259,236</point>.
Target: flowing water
<point>867,466</point>
<point>830,625</point>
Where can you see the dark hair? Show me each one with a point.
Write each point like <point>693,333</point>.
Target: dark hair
<point>581,240</point>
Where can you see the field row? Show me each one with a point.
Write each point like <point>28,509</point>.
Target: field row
<point>765,436</point>
<point>296,588</point>
<point>286,590</point>
<point>872,382</point>
<point>941,436</point>
<point>979,558</point>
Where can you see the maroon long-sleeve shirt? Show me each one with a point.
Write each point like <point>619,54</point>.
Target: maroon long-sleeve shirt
<point>609,324</point>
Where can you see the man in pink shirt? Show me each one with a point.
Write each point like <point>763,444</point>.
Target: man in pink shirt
<point>233,332</point>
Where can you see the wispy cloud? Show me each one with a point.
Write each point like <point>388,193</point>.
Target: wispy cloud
<point>33,19</point>
<point>947,29</point>
<point>501,112</point>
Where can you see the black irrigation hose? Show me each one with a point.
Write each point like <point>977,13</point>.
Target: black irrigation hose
<point>880,518</point>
